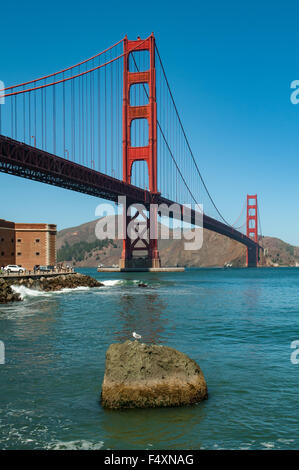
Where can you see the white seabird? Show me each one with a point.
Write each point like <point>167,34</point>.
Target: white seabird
<point>136,335</point>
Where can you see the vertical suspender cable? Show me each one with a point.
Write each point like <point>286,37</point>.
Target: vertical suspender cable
<point>105,120</point>
<point>11,117</point>
<point>29,114</point>
<point>45,118</point>
<point>23,115</point>
<point>35,133</point>
<point>99,117</point>
<point>63,115</point>
<point>111,117</point>
<point>79,118</point>
<point>54,120</point>
<point>42,114</point>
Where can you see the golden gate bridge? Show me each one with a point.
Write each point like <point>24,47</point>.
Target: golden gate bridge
<point>108,127</point>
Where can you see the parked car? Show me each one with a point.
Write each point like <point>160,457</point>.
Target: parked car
<point>44,269</point>
<point>13,268</point>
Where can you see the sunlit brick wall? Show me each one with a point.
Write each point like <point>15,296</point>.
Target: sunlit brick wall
<point>34,245</point>
<point>27,245</point>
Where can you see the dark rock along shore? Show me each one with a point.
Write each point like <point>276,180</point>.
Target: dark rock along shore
<point>6,293</point>
<point>70,281</point>
<point>146,376</point>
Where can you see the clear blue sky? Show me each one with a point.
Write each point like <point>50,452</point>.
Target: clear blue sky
<point>230,65</point>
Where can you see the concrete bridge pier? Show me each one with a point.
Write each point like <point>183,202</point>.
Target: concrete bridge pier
<point>252,257</point>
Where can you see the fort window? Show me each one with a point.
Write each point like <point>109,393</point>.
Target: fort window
<point>19,240</point>
<point>37,254</point>
<point>2,253</point>
<point>19,254</point>
<point>37,240</point>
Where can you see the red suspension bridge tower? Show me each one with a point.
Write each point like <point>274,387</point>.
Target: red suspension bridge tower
<point>252,230</point>
<point>146,153</point>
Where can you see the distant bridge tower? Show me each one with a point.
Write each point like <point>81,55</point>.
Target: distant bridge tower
<point>147,153</point>
<point>252,256</point>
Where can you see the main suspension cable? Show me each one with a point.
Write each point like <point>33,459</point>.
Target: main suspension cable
<point>80,74</point>
<point>64,70</point>
<point>187,141</point>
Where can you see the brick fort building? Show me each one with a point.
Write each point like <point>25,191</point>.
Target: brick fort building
<point>27,245</point>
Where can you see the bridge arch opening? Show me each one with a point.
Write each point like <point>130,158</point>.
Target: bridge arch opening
<point>139,174</point>
<point>139,133</point>
<point>251,201</point>
<point>139,61</point>
<point>139,94</point>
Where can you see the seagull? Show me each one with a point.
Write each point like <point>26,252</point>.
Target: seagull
<point>136,335</point>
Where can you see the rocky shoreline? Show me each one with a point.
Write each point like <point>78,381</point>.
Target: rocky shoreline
<point>46,284</point>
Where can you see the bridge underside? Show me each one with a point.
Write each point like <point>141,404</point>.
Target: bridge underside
<point>29,162</point>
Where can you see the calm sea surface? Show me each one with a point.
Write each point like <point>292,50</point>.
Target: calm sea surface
<point>237,324</point>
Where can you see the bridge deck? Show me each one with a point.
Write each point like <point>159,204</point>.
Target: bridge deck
<point>19,159</point>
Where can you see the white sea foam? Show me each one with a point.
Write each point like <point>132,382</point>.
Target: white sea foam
<point>286,441</point>
<point>26,292</point>
<point>68,289</point>
<point>268,445</point>
<point>76,445</point>
<point>118,282</point>
<point>111,283</point>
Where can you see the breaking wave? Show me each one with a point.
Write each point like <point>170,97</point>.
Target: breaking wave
<point>119,282</point>
<point>26,292</point>
<point>111,283</point>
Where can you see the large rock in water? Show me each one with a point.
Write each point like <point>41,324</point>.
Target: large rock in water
<point>145,376</point>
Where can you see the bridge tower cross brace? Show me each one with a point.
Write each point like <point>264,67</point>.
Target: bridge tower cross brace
<point>147,153</point>
<point>252,254</point>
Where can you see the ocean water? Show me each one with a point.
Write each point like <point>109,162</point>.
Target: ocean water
<point>238,324</point>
